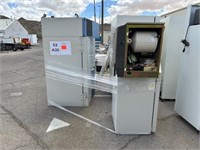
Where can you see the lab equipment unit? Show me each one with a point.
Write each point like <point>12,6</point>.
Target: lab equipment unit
<point>171,53</point>
<point>121,20</point>
<point>187,103</point>
<point>69,46</point>
<point>137,50</point>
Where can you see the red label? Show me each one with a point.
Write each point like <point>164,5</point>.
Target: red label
<point>63,47</point>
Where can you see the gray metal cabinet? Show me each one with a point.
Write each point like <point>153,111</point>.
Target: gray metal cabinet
<point>67,89</point>
<point>70,93</point>
<point>134,106</point>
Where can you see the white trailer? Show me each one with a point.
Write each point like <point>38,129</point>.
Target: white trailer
<point>33,39</point>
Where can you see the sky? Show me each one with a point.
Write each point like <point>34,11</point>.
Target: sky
<point>34,9</point>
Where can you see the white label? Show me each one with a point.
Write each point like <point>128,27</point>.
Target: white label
<point>151,86</point>
<point>60,48</point>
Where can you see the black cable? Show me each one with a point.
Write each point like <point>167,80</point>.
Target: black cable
<point>184,41</point>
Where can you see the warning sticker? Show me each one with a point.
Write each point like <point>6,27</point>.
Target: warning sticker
<point>60,48</point>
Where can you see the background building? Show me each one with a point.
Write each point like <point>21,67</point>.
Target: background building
<point>11,28</point>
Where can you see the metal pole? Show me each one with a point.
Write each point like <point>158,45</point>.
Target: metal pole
<point>94,11</point>
<point>99,14</point>
<point>102,14</point>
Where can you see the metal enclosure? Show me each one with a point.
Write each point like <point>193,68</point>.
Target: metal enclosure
<point>187,102</point>
<point>81,58</point>
<point>121,20</point>
<point>78,27</point>
<point>188,96</point>
<point>135,104</point>
<point>171,52</point>
<point>123,48</point>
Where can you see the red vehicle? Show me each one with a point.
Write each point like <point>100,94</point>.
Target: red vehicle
<point>26,41</point>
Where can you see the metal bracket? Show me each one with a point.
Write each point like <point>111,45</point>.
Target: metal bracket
<point>84,97</point>
<point>81,49</point>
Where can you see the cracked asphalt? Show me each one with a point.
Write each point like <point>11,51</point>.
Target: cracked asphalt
<point>25,118</point>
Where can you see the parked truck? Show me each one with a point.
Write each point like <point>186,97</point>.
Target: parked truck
<point>14,43</point>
